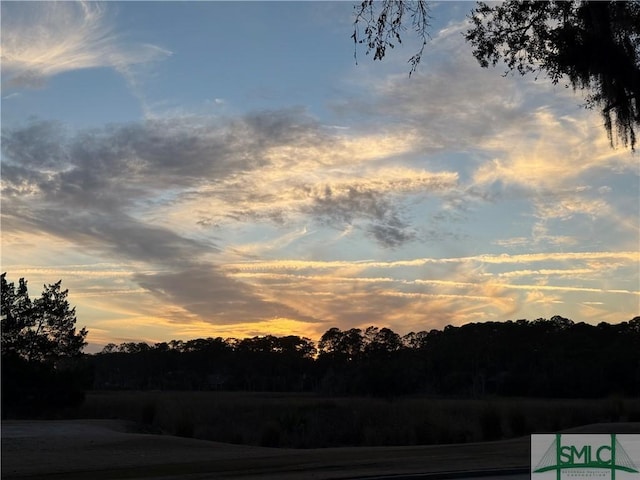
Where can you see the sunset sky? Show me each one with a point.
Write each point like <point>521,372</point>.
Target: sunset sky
<point>204,169</point>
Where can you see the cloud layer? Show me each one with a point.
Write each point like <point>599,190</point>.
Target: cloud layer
<point>461,196</point>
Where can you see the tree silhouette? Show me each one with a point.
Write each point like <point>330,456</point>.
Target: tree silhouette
<point>16,316</point>
<point>40,330</point>
<point>41,349</point>
<point>383,23</point>
<point>593,45</point>
<point>596,45</point>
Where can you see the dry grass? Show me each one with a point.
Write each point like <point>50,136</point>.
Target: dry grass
<point>310,421</point>
<point>96,449</point>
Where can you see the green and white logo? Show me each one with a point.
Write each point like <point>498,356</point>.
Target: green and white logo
<point>574,457</point>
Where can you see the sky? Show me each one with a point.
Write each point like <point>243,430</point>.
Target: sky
<point>205,169</point>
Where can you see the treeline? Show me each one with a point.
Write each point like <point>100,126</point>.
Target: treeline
<point>540,358</point>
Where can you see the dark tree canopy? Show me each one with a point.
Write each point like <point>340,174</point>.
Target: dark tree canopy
<point>42,364</point>
<point>539,358</point>
<point>39,330</point>
<point>594,46</point>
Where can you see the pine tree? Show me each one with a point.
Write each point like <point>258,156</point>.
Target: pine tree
<point>42,365</point>
<point>42,330</point>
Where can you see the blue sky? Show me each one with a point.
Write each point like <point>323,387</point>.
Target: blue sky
<point>194,169</point>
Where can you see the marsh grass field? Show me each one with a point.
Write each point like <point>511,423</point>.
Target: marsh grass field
<point>293,420</point>
<point>164,434</point>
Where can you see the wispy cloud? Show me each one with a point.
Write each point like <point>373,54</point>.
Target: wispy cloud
<point>330,279</point>
<point>63,36</point>
<point>630,257</point>
<point>461,290</point>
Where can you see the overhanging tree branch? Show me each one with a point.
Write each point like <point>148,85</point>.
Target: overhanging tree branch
<point>594,46</point>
